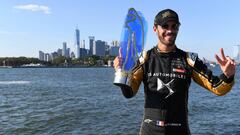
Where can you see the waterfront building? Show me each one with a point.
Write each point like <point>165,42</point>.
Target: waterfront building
<point>110,63</point>
<point>115,43</point>
<point>91,43</point>
<point>83,52</point>
<point>114,50</point>
<point>78,52</point>
<point>59,52</point>
<point>77,36</point>
<point>107,49</point>
<point>68,53</point>
<point>83,44</point>
<point>64,49</point>
<point>99,48</point>
<point>41,55</point>
<point>54,55</point>
<point>72,55</point>
<point>47,57</point>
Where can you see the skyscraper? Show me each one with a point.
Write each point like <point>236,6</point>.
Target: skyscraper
<point>77,34</point>
<point>114,49</point>
<point>59,52</point>
<point>83,44</point>
<point>78,52</point>
<point>41,55</point>
<point>99,48</point>
<point>64,49</point>
<point>115,43</point>
<point>68,53</point>
<point>91,42</point>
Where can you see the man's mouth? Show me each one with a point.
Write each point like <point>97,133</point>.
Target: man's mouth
<point>171,36</point>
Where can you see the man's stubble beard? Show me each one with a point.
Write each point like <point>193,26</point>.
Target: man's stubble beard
<point>167,43</point>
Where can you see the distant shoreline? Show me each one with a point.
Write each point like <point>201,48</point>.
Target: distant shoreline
<point>9,67</point>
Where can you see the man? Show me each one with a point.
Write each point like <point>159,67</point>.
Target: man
<point>166,73</point>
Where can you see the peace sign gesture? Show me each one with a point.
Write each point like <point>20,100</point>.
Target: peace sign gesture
<point>228,66</point>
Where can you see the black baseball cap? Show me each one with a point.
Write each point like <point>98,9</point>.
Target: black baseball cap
<point>164,16</point>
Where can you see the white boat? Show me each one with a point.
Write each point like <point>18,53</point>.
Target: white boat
<point>5,66</point>
<point>212,65</point>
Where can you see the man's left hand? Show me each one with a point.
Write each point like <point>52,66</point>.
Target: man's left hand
<point>228,65</point>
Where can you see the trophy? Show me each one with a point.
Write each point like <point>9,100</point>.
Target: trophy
<point>131,45</point>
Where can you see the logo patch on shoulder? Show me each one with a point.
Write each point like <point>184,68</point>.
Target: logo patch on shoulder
<point>191,58</point>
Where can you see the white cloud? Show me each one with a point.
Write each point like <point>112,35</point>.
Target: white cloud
<point>34,8</point>
<point>4,32</point>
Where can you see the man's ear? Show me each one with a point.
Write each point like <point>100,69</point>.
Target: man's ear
<point>154,28</point>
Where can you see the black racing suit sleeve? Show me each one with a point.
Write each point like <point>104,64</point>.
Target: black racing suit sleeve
<point>127,91</point>
<point>219,85</point>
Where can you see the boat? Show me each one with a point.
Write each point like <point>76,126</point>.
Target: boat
<point>5,66</point>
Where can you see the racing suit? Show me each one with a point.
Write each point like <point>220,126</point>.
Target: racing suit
<point>166,78</point>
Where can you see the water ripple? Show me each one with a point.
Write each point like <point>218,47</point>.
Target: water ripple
<point>84,101</point>
<point>14,82</point>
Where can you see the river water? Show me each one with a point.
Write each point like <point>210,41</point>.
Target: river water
<point>83,101</point>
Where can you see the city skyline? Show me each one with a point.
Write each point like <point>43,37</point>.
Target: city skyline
<point>98,48</point>
<point>29,26</point>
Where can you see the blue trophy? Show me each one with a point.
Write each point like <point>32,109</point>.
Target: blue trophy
<point>131,45</point>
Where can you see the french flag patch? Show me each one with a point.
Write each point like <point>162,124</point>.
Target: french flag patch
<point>160,123</point>
<point>179,70</point>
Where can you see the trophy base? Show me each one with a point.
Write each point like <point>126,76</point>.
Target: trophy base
<point>121,79</point>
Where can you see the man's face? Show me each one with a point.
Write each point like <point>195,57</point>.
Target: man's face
<point>167,33</point>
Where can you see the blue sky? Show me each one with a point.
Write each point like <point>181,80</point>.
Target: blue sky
<point>27,26</point>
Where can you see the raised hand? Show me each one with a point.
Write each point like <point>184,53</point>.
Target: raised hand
<point>228,66</point>
<point>117,63</point>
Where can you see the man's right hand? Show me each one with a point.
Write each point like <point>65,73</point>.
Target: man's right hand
<point>117,63</point>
